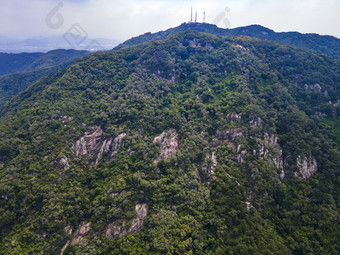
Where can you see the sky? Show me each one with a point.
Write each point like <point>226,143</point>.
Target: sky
<point>123,19</point>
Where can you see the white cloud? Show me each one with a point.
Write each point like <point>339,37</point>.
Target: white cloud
<point>122,19</point>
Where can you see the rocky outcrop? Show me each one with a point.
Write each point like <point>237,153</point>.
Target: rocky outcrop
<point>169,144</point>
<point>270,149</point>
<point>113,230</point>
<point>231,136</point>
<point>256,122</point>
<point>195,43</point>
<point>88,144</point>
<point>64,247</point>
<point>137,224</point>
<point>64,164</point>
<point>115,145</point>
<point>105,148</point>
<point>234,116</point>
<point>241,154</point>
<point>210,164</point>
<point>79,235</point>
<point>307,166</point>
<point>316,88</point>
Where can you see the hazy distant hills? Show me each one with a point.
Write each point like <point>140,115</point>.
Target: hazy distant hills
<point>323,44</point>
<point>45,44</point>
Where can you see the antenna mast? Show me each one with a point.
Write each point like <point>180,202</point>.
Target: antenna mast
<point>195,16</point>
<point>203,17</point>
<point>191,15</point>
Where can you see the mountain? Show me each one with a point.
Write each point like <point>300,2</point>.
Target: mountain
<point>197,144</point>
<point>12,63</point>
<point>323,44</point>
<point>19,71</point>
<point>45,44</point>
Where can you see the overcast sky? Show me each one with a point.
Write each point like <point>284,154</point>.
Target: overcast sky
<point>122,19</point>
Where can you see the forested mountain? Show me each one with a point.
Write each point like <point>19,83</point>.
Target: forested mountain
<point>323,44</point>
<point>19,71</point>
<point>197,144</point>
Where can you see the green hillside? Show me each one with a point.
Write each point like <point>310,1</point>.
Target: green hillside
<point>23,69</point>
<point>328,45</point>
<point>197,144</point>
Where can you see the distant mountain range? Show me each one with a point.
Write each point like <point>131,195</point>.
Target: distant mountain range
<point>319,43</point>
<point>45,44</point>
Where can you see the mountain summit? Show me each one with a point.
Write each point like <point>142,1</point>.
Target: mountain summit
<point>323,44</point>
<point>196,144</point>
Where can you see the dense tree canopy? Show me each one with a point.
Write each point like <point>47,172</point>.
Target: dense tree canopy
<point>241,116</point>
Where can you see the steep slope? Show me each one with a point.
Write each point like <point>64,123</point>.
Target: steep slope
<point>194,145</point>
<point>323,44</point>
<point>24,69</point>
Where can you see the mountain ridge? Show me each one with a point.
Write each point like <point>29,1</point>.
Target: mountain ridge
<point>326,44</point>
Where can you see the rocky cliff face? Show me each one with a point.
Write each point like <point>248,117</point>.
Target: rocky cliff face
<point>88,144</point>
<point>111,144</point>
<point>91,144</point>
<point>307,166</point>
<point>114,230</point>
<point>169,144</point>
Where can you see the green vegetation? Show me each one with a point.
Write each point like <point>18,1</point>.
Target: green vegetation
<point>328,45</point>
<point>19,71</point>
<point>238,109</point>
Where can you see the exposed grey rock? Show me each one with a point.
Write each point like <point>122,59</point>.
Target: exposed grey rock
<point>256,122</point>
<point>321,114</point>
<point>64,247</point>
<point>270,149</point>
<point>234,116</point>
<point>248,205</point>
<point>88,143</point>
<point>306,166</point>
<point>231,136</point>
<point>64,164</point>
<point>117,144</point>
<point>195,43</point>
<point>270,140</point>
<point>113,195</point>
<point>173,208</point>
<point>104,149</point>
<point>210,168</point>
<point>67,118</point>
<point>241,155</point>
<point>316,88</point>
<point>82,230</point>
<point>68,230</point>
<point>169,144</point>
<point>113,231</point>
<point>137,224</point>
